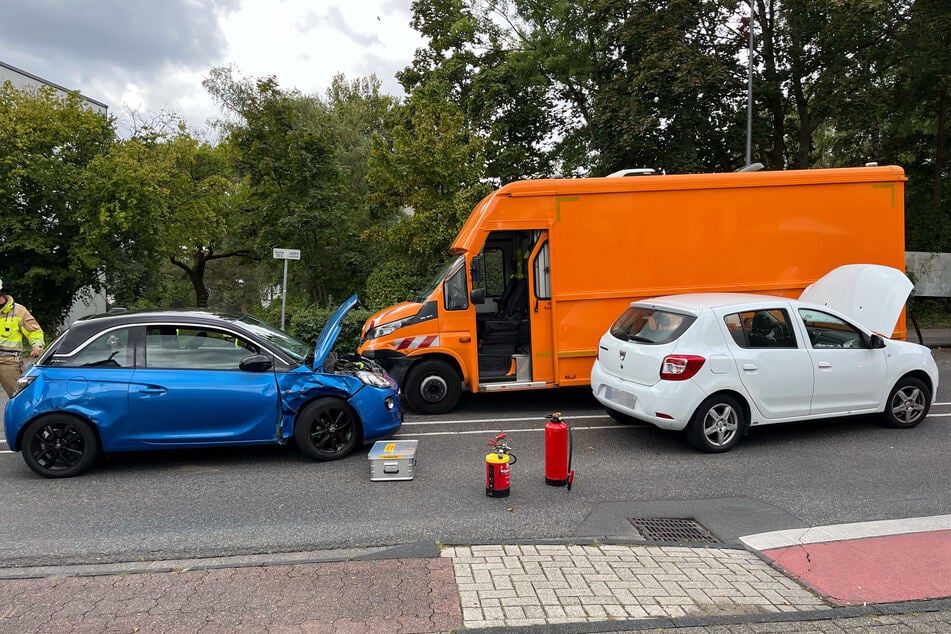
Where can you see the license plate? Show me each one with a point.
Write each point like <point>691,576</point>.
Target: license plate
<point>619,396</point>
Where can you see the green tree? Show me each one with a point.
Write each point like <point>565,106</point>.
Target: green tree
<point>284,146</point>
<point>425,176</point>
<point>162,197</point>
<point>571,88</point>
<point>916,132</point>
<point>47,141</point>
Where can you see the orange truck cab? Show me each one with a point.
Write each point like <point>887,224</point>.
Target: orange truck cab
<point>541,268</point>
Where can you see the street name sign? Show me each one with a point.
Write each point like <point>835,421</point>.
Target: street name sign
<point>286,254</point>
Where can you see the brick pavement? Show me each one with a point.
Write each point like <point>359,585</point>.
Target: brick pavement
<point>394,595</point>
<point>518,585</point>
<point>495,588</point>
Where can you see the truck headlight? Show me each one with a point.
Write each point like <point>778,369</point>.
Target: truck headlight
<point>385,329</point>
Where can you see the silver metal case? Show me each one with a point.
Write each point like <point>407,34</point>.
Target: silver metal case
<point>393,460</point>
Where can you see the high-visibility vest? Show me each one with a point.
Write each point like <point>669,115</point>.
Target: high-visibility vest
<point>17,324</point>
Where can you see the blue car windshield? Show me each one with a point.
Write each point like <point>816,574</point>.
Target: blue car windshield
<point>293,347</point>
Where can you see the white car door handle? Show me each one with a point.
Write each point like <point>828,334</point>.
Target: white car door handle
<point>749,367</point>
<point>824,364</point>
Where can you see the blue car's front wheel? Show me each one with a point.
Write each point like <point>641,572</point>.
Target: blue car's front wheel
<point>59,446</point>
<point>327,429</point>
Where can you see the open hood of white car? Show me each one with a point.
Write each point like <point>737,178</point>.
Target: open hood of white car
<point>871,294</point>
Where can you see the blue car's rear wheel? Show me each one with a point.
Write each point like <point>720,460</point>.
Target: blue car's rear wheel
<point>59,446</point>
<point>327,429</point>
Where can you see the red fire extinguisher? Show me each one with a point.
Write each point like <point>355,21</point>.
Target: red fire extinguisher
<point>558,471</point>
<point>497,463</point>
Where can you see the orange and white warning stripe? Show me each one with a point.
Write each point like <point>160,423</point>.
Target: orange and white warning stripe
<point>412,343</point>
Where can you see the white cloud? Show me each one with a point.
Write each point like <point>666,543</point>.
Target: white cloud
<point>152,56</point>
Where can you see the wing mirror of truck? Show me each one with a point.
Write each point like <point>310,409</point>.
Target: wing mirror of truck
<point>475,270</point>
<point>477,296</point>
<point>876,341</point>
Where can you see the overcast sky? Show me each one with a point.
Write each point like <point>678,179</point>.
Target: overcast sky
<point>152,55</point>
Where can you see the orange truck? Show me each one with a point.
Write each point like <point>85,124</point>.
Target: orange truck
<point>541,268</point>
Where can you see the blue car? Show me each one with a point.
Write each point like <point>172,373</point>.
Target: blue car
<point>137,381</point>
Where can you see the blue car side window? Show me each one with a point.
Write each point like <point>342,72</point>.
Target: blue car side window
<point>195,349</point>
<point>108,350</point>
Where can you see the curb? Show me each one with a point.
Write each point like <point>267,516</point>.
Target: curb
<point>881,609</point>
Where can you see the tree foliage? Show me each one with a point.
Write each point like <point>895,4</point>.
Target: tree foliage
<point>47,142</point>
<point>162,197</point>
<point>425,178</point>
<point>289,148</point>
<point>372,188</point>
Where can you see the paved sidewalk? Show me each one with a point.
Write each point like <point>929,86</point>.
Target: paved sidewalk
<point>556,584</point>
<point>594,587</point>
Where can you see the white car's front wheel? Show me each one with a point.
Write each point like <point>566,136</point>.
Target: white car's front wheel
<point>717,425</point>
<point>908,403</point>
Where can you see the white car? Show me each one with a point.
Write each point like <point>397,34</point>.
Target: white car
<point>716,364</point>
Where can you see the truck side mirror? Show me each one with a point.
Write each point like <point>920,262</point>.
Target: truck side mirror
<point>475,270</point>
<point>876,341</point>
<point>477,296</point>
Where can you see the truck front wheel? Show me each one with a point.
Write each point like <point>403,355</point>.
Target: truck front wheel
<point>432,387</point>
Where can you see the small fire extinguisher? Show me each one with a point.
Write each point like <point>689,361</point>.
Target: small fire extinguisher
<point>558,471</point>
<point>497,463</point>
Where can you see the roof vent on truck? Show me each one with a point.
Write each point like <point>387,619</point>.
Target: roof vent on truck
<point>752,167</point>
<point>637,171</point>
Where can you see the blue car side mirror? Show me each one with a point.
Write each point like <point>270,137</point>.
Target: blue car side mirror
<point>256,363</point>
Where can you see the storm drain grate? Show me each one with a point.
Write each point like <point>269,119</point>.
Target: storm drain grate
<point>672,529</point>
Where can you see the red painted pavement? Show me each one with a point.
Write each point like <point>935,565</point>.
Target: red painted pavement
<point>906,567</point>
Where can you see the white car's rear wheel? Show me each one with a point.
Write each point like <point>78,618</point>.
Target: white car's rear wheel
<point>717,425</point>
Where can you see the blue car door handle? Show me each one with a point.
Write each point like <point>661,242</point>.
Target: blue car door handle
<point>152,389</point>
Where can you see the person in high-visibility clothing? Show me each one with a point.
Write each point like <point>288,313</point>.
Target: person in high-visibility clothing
<point>16,324</point>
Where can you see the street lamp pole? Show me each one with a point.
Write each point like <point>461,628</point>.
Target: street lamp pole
<point>749,91</point>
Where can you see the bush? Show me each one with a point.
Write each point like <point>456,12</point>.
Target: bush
<point>392,282</point>
<point>306,321</point>
<point>307,325</point>
<point>931,312</point>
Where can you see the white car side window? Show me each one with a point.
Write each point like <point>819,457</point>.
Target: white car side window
<point>761,329</point>
<point>828,331</point>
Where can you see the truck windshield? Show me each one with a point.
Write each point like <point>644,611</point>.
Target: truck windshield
<point>438,278</point>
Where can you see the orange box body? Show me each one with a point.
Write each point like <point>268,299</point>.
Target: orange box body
<point>580,250</point>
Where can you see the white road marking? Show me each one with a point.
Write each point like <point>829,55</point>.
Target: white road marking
<point>507,431</point>
<point>470,421</point>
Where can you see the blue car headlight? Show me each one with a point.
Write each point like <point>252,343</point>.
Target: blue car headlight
<point>22,383</point>
<point>373,379</point>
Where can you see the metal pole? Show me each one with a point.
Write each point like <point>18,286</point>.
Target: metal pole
<point>284,294</point>
<point>749,91</point>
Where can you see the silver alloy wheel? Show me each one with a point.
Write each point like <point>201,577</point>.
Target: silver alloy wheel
<point>908,404</point>
<point>720,425</point>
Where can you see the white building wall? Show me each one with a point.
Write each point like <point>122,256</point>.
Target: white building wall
<point>22,79</point>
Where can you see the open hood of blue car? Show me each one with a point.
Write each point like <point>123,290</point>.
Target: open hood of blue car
<point>328,336</point>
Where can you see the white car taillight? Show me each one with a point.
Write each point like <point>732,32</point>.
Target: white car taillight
<point>680,367</point>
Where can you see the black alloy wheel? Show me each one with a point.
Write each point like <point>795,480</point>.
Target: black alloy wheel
<point>327,429</point>
<point>59,446</point>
